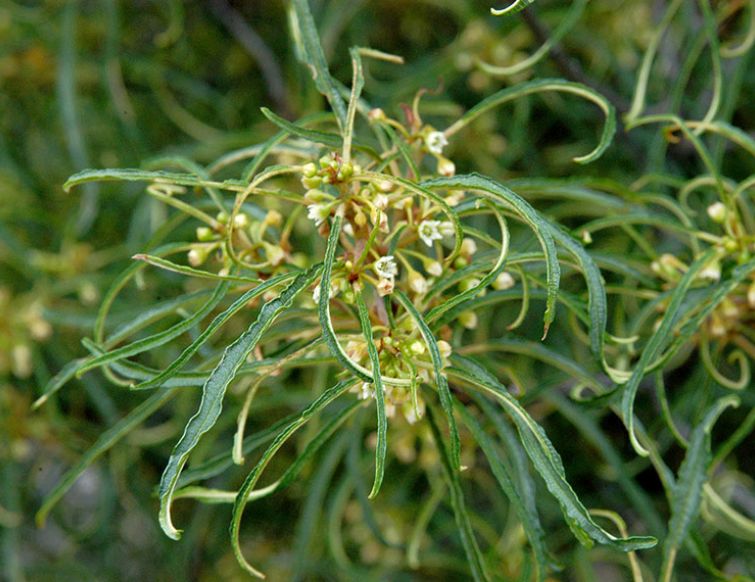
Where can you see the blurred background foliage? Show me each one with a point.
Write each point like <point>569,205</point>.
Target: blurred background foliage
<point>108,83</point>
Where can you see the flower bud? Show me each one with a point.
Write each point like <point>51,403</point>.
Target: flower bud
<point>468,247</point>
<point>197,256</point>
<point>376,114</point>
<point>240,220</point>
<point>309,170</point>
<point>434,268</point>
<point>468,284</point>
<point>417,348</point>
<point>417,283</point>
<point>468,319</point>
<point>273,218</point>
<point>204,233</point>
<point>504,281</point>
<point>312,182</point>
<point>446,167</point>
<point>717,212</point>
<point>445,349</point>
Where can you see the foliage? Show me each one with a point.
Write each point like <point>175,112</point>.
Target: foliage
<point>505,333</point>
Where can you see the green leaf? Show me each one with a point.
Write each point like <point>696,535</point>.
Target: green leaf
<point>452,302</point>
<point>251,480</point>
<point>687,493</point>
<point>214,390</point>
<point>59,380</point>
<point>463,522</point>
<point>526,512</point>
<point>160,338</point>
<point>382,422</point>
<point>156,176</point>
<point>692,325</point>
<point>513,8</point>
<point>500,194</point>
<point>540,86</point>
<point>214,326</point>
<point>326,321</point>
<point>546,461</point>
<point>306,37</point>
<point>441,381</point>
<point>332,140</point>
<point>294,469</point>
<point>190,271</point>
<point>597,303</point>
<point>104,443</point>
<point>655,345</point>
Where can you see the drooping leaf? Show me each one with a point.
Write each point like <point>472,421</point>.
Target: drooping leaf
<point>214,390</point>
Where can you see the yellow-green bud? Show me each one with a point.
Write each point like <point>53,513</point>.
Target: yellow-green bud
<point>204,233</point>
<point>468,319</point>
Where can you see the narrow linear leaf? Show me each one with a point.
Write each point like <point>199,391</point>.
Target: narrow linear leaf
<point>444,392</point>
<point>499,193</point>
<point>451,473</point>
<point>294,469</point>
<point>326,322</point>
<point>382,422</point>
<point>305,33</point>
<point>546,461</point>
<point>692,325</point>
<point>655,345</point>
<point>316,406</point>
<point>156,176</point>
<point>688,491</point>
<point>160,338</point>
<point>527,514</point>
<point>190,271</point>
<point>540,86</point>
<point>214,390</point>
<point>489,277</point>
<point>58,381</point>
<point>214,326</point>
<point>513,8</point>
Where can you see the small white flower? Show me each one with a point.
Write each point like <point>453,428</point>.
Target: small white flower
<point>429,231</point>
<point>390,409</point>
<point>386,267</point>
<point>348,229</point>
<point>436,141</point>
<point>316,295</point>
<point>435,269</point>
<point>381,201</point>
<point>504,281</point>
<point>365,391</point>
<point>318,213</point>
